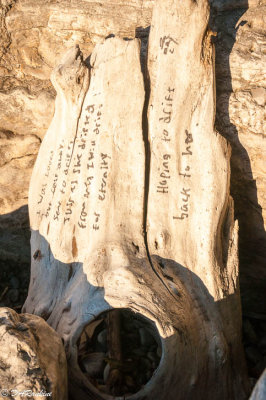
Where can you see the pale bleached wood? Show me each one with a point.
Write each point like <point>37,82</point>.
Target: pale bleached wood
<point>94,191</point>
<point>190,214</point>
<point>92,253</point>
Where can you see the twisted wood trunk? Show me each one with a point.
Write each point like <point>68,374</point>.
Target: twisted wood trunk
<point>130,208</point>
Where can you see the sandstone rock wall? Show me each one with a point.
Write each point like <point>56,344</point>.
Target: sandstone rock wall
<point>241,96</point>
<point>34,35</point>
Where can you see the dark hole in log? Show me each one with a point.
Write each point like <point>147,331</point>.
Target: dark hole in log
<point>119,352</point>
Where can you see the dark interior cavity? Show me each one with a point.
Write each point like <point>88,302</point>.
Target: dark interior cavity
<point>119,352</point>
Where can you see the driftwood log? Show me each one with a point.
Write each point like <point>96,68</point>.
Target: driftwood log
<point>130,208</point>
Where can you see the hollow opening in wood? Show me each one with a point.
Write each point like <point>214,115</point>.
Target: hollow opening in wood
<point>119,352</point>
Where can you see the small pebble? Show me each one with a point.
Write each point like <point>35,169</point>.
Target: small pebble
<point>129,382</point>
<point>145,363</point>
<point>106,372</point>
<point>93,363</point>
<point>102,338</point>
<point>102,388</point>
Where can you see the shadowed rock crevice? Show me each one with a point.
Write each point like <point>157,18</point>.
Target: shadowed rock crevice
<point>234,27</point>
<point>237,47</point>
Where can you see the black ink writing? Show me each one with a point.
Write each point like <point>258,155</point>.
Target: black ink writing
<point>42,194</point>
<point>95,226</point>
<point>167,44</point>
<point>57,212</point>
<point>82,217</point>
<point>162,187</point>
<point>167,107</point>
<point>103,165</point>
<point>49,163</point>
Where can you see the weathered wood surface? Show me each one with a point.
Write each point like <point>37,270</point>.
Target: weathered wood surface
<point>121,219</point>
<point>34,36</point>
<point>189,177</point>
<point>87,184</point>
<point>190,213</point>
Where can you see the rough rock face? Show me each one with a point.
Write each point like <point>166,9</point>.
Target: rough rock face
<point>32,357</point>
<point>241,97</point>
<point>35,34</point>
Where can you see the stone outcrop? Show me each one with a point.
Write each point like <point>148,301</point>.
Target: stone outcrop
<point>32,359</point>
